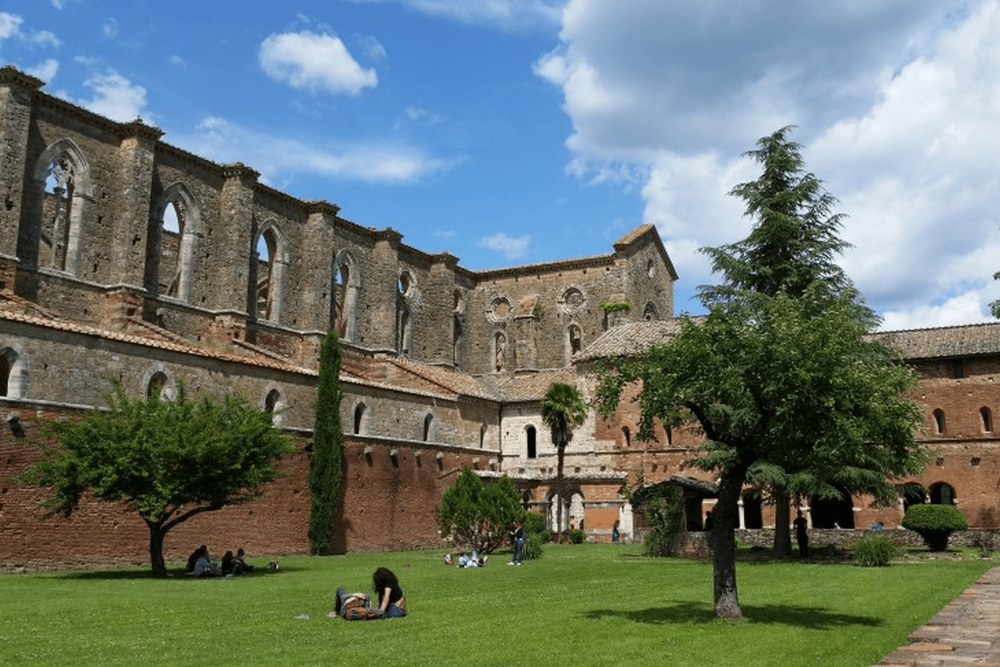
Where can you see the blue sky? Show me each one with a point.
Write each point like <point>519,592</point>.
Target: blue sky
<point>521,131</point>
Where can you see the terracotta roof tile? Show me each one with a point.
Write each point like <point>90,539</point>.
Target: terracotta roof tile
<point>959,341</point>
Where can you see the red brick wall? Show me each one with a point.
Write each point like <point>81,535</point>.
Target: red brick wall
<point>387,506</point>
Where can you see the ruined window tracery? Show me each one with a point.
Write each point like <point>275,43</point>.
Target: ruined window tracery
<point>345,289</point>
<point>268,268</point>
<point>63,178</point>
<point>173,244</point>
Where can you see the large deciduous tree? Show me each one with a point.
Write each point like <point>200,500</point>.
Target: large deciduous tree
<point>167,460</point>
<point>782,376</point>
<point>792,247</point>
<point>772,384</point>
<point>562,410</point>
<point>325,461</point>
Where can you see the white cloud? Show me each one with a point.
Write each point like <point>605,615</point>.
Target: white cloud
<point>277,156</point>
<point>508,246</point>
<point>504,14</point>
<point>109,28</point>
<point>115,96</point>
<point>46,71</point>
<point>10,28</point>
<point>314,62</point>
<point>895,101</point>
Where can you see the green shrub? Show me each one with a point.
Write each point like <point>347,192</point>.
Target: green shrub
<point>934,523</point>
<point>874,550</point>
<point>469,510</point>
<point>576,536</point>
<point>663,515</point>
<point>534,522</point>
<point>535,544</point>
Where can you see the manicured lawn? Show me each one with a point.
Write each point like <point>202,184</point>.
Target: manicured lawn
<point>579,605</point>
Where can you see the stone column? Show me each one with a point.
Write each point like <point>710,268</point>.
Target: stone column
<point>233,243</point>
<point>17,231</point>
<point>379,301</point>
<point>131,223</point>
<point>313,267</point>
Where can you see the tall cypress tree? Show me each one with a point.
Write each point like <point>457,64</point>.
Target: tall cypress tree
<point>324,467</point>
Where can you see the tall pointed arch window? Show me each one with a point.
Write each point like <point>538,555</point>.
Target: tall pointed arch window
<point>63,177</point>
<point>268,271</point>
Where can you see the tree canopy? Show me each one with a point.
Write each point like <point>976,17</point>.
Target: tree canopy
<point>476,515</point>
<point>168,460</point>
<point>325,460</point>
<point>562,409</point>
<point>783,377</point>
<point>794,240</point>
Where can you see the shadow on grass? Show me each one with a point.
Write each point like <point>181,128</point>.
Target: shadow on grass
<point>812,618</point>
<point>172,575</point>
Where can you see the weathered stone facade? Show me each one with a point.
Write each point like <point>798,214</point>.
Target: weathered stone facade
<point>121,254</point>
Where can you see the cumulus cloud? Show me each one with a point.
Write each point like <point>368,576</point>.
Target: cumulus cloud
<point>504,14</point>
<point>10,29</point>
<point>114,96</point>
<point>509,247</point>
<point>895,104</point>
<point>225,141</point>
<point>315,62</point>
<point>46,71</point>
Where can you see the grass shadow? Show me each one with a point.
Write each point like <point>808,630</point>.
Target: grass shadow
<point>696,613</point>
<point>173,574</point>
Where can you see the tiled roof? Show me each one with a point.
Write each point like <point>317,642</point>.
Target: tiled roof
<point>959,341</point>
<point>529,386</point>
<point>629,338</point>
<point>169,345</point>
<point>942,342</point>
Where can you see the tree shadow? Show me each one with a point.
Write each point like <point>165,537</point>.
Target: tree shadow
<point>173,574</point>
<point>696,613</point>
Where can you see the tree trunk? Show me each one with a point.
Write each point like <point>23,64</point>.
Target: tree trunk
<point>156,537</point>
<point>726,513</point>
<point>782,524</point>
<point>560,455</point>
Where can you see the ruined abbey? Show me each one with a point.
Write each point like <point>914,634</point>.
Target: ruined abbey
<point>122,254</point>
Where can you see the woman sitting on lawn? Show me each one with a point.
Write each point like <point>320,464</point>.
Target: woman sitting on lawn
<point>391,600</point>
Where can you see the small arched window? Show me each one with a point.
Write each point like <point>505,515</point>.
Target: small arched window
<point>428,422</point>
<point>626,437</point>
<point>987,418</point>
<point>359,417</point>
<point>482,436</point>
<point>4,373</point>
<point>532,445</point>
<point>156,385</point>
<point>939,421</point>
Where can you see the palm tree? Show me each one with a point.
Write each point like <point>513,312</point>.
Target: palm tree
<point>562,409</point>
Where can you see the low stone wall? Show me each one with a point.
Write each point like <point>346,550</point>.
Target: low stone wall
<point>696,545</point>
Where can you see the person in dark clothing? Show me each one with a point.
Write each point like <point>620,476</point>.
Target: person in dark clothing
<point>518,537</point>
<point>801,535</point>
<point>391,600</point>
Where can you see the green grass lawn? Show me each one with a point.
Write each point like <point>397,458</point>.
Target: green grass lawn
<point>579,605</point>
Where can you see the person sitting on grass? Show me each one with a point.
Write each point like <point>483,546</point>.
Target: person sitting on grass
<point>240,564</point>
<point>204,566</point>
<point>391,600</point>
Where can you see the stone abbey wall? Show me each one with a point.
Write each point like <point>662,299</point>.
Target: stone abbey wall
<point>122,254</point>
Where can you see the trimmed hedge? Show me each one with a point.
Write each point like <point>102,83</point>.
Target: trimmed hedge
<point>934,523</point>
